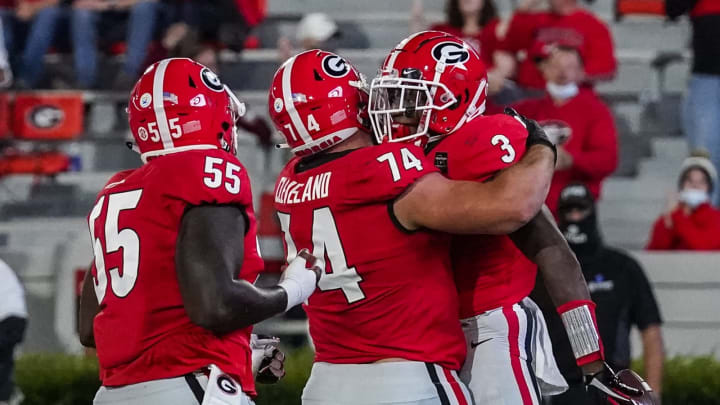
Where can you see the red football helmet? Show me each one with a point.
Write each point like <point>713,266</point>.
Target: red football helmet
<point>179,104</point>
<point>317,100</point>
<point>433,76</point>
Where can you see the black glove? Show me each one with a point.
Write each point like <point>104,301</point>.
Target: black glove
<point>536,133</point>
<point>624,388</point>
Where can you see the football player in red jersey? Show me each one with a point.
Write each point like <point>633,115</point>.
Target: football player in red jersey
<point>169,300</point>
<point>384,324</point>
<point>434,85</point>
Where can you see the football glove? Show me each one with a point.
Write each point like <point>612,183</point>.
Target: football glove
<point>622,388</point>
<point>536,133</point>
<point>268,362</point>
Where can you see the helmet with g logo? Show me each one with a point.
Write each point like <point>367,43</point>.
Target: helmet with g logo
<point>433,76</point>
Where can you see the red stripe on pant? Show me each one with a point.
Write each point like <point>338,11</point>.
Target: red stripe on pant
<point>455,385</point>
<point>513,336</point>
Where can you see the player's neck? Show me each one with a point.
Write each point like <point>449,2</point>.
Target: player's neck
<point>360,139</point>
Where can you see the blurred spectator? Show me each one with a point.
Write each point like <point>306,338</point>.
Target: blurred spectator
<point>702,106</point>
<point>619,288</point>
<point>474,21</point>
<point>567,23</point>
<point>182,41</point>
<point>580,121</point>
<point>40,18</point>
<point>13,320</point>
<point>88,17</point>
<point>690,222</point>
<point>314,31</point>
<point>5,71</point>
<point>477,23</point>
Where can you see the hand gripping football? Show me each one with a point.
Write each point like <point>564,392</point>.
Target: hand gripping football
<point>622,388</point>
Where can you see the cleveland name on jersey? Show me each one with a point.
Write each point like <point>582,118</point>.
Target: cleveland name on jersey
<point>490,271</point>
<point>142,331</point>
<point>384,293</point>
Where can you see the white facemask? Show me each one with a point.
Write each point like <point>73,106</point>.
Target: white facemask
<point>694,197</point>
<point>562,91</point>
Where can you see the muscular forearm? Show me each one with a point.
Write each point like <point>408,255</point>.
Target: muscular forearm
<point>528,181</point>
<point>654,355</point>
<point>245,305</point>
<point>541,241</point>
<point>88,309</point>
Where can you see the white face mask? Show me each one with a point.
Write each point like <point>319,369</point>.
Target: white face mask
<point>562,91</point>
<point>694,197</point>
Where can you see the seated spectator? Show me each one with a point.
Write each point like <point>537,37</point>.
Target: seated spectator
<point>89,17</point>
<point>583,125</point>
<point>5,71</point>
<point>314,31</point>
<point>690,222</point>
<point>39,18</point>
<point>566,22</point>
<point>474,21</point>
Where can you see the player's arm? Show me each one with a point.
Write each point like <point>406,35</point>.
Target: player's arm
<point>499,206</point>
<point>541,242</point>
<point>209,253</point>
<point>88,309</point>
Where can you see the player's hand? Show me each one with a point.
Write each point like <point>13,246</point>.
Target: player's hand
<point>606,387</point>
<point>268,361</point>
<point>298,280</point>
<point>536,133</point>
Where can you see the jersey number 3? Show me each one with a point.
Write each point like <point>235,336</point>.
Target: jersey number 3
<point>115,238</point>
<point>326,243</point>
<point>505,145</point>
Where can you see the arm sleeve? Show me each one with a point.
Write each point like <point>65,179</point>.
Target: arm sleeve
<point>661,237</point>
<point>504,146</point>
<point>645,311</point>
<point>600,62</point>
<point>599,155</point>
<point>697,232</point>
<point>676,8</point>
<point>384,172</point>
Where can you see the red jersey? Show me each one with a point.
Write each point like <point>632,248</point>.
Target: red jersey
<point>384,292</point>
<point>592,142</point>
<point>485,42</point>
<point>579,29</point>
<point>490,271</point>
<point>142,331</point>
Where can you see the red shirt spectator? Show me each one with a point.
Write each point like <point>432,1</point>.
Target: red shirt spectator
<point>568,24</point>
<point>588,152</point>
<point>474,21</point>
<point>690,223</point>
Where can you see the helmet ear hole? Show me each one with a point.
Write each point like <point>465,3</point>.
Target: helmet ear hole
<point>225,126</point>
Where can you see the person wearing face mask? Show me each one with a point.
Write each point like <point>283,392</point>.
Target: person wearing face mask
<point>620,290</point>
<point>690,222</point>
<point>588,150</point>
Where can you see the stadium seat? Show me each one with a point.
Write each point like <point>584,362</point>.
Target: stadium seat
<point>48,115</point>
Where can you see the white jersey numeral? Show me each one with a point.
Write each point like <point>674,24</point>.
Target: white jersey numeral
<point>409,161</point>
<point>232,181</point>
<point>312,123</point>
<point>505,145</point>
<point>326,243</point>
<point>115,239</point>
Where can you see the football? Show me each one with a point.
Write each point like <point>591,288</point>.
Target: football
<point>630,378</point>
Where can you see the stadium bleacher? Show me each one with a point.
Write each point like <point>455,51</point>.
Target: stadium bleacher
<point>43,221</point>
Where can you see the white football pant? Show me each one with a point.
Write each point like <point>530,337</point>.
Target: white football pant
<point>510,359</point>
<point>402,382</point>
<point>170,391</point>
